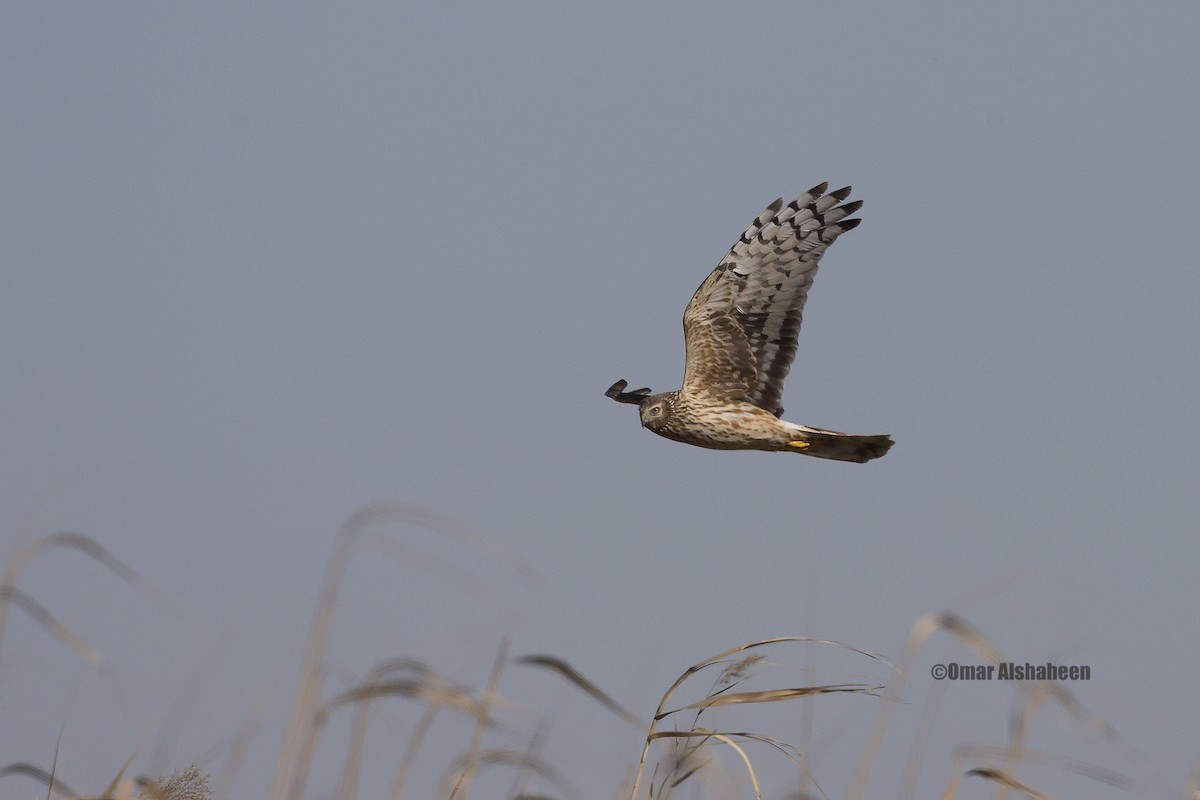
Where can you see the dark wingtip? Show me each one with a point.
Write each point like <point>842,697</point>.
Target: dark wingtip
<point>617,392</point>
<point>851,207</point>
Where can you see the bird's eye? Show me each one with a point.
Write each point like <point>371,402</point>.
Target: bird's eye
<point>656,410</point>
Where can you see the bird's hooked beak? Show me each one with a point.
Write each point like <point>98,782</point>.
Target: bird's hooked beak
<point>617,392</point>
<point>643,415</point>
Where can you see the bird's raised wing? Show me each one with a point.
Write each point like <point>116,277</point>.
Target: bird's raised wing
<point>742,323</point>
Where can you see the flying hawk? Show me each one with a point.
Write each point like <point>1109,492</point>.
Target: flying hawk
<point>740,330</point>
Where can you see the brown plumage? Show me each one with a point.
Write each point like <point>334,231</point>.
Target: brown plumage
<point>741,328</point>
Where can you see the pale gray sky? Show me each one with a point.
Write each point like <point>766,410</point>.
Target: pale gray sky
<point>265,265</point>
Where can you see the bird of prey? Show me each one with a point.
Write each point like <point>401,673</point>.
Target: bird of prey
<point>740,330</point>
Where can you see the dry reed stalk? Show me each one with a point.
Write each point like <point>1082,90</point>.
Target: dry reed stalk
<point>524,762</point>
<point>1035,694</point>
<point>562,668</point>
<point>489,696</point>
<point>295,754</point>
<point>918,635</point>
<point>54,786</point>
<point>1006,780</point>
<point>727,676</point>
<point>240,747</point>
<point>726,739</point>
<point>10,594</point>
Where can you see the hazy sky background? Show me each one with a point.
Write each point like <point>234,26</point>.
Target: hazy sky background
<point>265,265</point>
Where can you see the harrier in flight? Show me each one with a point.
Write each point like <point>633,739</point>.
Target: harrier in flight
<point>740,331</point>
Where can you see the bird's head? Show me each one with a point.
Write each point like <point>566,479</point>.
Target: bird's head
<point>656,409</point>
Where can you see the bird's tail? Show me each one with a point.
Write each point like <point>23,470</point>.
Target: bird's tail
<point>838,446</point>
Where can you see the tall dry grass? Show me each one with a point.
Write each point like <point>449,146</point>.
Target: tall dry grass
<point>684,744</point>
